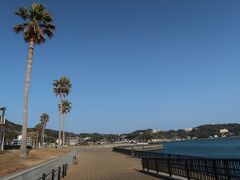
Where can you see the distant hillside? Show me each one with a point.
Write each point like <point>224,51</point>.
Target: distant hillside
<point>141,135</point>
<point>12,130</point>
<point>94,137</point>
<point>203,131</point>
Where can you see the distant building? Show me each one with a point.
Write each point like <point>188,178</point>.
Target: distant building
<point>59,141</point>
<point>19,137</point>
<point>223,131</point>
<point>86,138</point>
<point>90,143</point>
<point>188,129</point>
<point>104,141</point>
<point>19,140</point>
<point>154,131</point>
<point>156,140</point>
<point>72,141</point>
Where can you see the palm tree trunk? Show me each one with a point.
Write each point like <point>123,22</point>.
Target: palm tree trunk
<point>41,138</point>
<point>37,140</point>
<point>64,117</point>
<point>23,149</point>
<point>43,135</point>
<point>60,122</point>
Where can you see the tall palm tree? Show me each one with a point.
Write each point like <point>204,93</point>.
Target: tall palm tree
<point>62,88</point>
<point>38,129</point>
<point>36,26</point>
<point>66,108</point>
<point>44,118</point>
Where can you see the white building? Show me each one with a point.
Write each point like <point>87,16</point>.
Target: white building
<point>154,131</point>
<point>29,140</point>
<point>72,141</point>
<point>223,130</point>
<point>188,129</point>
<point>19,137</point>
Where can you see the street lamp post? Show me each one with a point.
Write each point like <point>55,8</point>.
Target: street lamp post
<point>2,128</point>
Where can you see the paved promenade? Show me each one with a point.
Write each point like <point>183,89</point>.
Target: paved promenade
<point>103,164</point>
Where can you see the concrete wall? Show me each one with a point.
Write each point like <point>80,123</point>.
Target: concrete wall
<point>36,172</point>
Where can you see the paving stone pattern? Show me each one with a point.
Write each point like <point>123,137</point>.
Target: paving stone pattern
<point>103,164</point>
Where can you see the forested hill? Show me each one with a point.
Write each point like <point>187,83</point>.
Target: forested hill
<point>12,130</point>
<point>203,131</point>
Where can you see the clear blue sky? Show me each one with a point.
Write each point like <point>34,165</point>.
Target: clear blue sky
<point>161,64</point>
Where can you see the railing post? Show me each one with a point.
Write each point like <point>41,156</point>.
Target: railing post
<point>132,152</point>
<point>63,171</point>
<point>169,166</point>
<point>227,174</point>
<point>206,167</point>
<point>43,176</point>
<point>59,173</point>
<point>147,164</point>
<point>66,166</point>
<point>215,169</point>
<point>53,174</point>
<point>156,164</point>
<point>187,169</point>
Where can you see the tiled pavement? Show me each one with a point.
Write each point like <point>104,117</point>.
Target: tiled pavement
<point>103,164</point>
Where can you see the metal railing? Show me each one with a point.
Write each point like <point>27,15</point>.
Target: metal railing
<point>189,167</point>
<point>142,153</point>
<point>55,174</point>
<point>194,168</point>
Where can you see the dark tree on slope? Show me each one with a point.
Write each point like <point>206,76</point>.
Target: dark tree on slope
<point>44,119</point>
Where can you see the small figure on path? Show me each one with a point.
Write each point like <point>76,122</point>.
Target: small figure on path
<point>132,152</point>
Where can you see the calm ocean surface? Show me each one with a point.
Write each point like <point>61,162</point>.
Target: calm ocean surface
<point>213,148</point>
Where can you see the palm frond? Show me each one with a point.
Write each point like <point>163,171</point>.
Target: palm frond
<point>48,32</point>
<point>46,16</point>
<point>62,86</point>
<point>66,106</point>
<point>37,25</point>
<point>19,27</point>
<point>44,118</point>
<point>47,26</point>
<point>22,12</point>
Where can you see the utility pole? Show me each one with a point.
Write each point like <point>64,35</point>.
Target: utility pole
<point>2,128</point>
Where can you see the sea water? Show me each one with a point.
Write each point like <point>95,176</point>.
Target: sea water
<point>210,148</point>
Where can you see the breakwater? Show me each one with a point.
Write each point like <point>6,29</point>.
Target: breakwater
<point>145,147</point>
<point>140,151</point>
